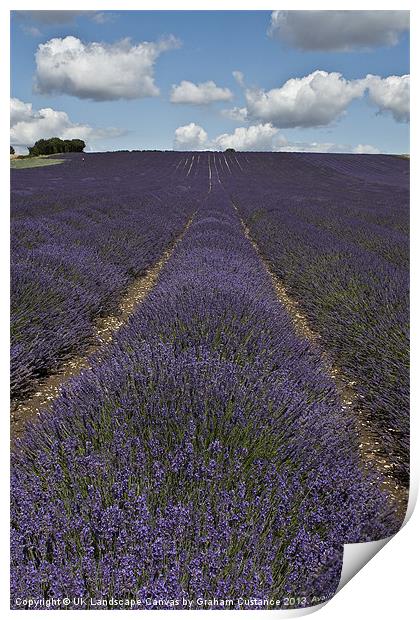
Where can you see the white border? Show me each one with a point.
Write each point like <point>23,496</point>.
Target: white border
<point>386,586</point>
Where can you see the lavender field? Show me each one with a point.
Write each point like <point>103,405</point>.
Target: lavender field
<point>249,413</point>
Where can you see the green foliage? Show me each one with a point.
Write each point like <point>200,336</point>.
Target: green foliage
<point>56,145</point>
<point>230,150</point>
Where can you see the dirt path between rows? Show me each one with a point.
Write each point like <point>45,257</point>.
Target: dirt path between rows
<point>104,330</point>
<point>369,447</point>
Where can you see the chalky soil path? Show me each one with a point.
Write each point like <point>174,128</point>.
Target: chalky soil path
<point>105,328</point>
<point>369,449</point>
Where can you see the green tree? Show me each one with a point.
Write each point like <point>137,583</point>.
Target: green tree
<point>78,145</point>
<point>54,145</point>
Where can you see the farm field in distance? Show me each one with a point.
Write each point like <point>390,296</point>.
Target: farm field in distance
<point>210,387</point>
<point>33,162</point>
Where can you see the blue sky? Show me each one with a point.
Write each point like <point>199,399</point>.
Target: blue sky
<point>369,114</point>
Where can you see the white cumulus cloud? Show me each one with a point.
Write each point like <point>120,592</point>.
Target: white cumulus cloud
<point>254,138</point>
<point>340,31</point>
<point>99,71</point>
<point>20,111</point>
<point>190,137</point>
<point>391,94</point>
<point>28,125</point>
<point>320,98</point>
<point>199,94</point>
<point>314,100</point>
<point>261,137</point>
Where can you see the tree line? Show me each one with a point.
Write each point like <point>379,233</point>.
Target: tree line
<point>56,145</point>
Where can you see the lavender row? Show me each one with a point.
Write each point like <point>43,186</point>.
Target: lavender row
<point>341,248</point>
<point>204,455</point>
<point>75,250</point>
